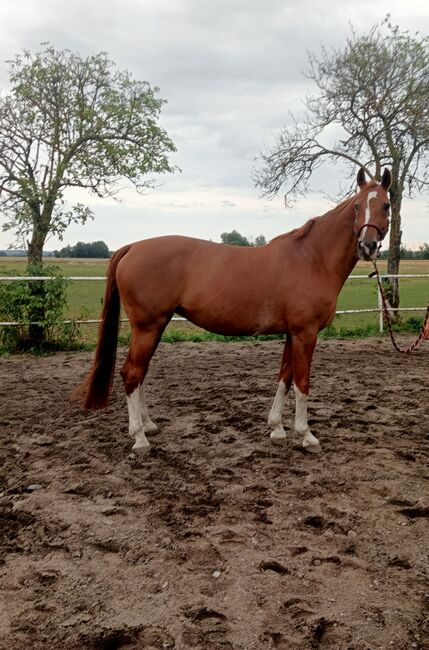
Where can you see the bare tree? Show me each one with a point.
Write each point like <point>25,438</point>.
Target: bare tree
<point>375,92</point>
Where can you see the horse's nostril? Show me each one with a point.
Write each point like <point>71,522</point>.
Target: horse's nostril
<point>367,248</point>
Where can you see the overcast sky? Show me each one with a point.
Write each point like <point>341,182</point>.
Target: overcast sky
<point>231,71</point>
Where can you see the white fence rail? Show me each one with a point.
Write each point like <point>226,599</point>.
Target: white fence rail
<point>79,278</point>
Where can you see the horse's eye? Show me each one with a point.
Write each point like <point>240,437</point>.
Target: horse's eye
<point>356,207</point>
<point>386,207</point>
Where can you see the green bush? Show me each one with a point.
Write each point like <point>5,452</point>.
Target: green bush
<point>41,303</point>
<point>413,324</point>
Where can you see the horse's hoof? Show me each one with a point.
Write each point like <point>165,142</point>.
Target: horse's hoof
<point>313,448</point>
<point>278,438</point>
<point>141,449</point>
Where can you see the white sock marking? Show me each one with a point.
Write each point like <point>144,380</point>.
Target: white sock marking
<point>310,442</point>
<point>301,423</point>
<point>135,420</point>
<point>275,416</point>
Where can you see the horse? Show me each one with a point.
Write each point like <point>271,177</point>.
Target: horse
<point>288,286</point>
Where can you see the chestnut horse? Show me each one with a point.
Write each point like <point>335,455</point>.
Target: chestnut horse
<point>290,286</point>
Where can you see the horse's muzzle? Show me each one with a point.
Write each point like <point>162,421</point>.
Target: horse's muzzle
<point>367,250</point>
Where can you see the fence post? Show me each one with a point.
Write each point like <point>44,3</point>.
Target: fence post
<point>380,306</point>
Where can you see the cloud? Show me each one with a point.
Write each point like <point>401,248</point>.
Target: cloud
<point>231,71</point>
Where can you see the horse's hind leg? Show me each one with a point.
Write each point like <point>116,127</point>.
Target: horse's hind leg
<point>143,345</point>
<point>278,434</point>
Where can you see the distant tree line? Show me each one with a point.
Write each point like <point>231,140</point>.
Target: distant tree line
<point>407,254</point>
<point>234,238</point>
<point>93,249</point>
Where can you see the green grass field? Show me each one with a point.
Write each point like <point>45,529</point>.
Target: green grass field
<point>85,297</point>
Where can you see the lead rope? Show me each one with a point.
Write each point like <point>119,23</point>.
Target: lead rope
<point>421,335</point>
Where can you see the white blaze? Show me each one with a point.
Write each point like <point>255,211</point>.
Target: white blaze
<point>371,195</point>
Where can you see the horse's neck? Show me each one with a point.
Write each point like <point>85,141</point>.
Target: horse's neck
<point>334,242</point>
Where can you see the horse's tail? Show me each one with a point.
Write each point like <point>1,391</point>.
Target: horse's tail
<point>96,388</point>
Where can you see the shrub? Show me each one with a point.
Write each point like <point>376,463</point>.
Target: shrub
<point>36,303</point>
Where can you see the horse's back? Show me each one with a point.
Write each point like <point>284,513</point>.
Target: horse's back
<point>207,282</point>
<point>167,259</point>
<point>173,256</point>
<point>225,289</point>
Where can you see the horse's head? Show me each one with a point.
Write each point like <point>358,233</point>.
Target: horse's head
<point>372,209</point>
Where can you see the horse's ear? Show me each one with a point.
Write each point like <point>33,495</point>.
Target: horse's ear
<point>387,179</point>
<point>361,180</point>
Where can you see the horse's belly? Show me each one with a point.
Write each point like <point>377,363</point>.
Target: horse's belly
<point>236,322</point>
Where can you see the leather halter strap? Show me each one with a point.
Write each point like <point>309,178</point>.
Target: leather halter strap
<point>371,225</point>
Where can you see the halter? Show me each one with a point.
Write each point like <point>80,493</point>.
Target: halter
<point>381,233</point>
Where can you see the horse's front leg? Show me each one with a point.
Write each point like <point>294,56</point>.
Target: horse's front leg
<point>278,434</point>
<point>302,354</point>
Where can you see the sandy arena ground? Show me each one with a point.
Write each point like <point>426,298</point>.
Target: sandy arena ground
<point>217,539</point>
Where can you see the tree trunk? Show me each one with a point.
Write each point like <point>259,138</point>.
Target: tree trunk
<point>35,248</point>
<point>36,332</point>
<point>394,257</point>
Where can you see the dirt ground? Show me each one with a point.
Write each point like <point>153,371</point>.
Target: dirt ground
<point>217,539</point>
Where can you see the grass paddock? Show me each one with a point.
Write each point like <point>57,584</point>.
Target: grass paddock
<point>85,298</point>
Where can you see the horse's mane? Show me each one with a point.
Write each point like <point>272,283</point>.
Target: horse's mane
<point>298,233</point>
<point>302,231</point>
